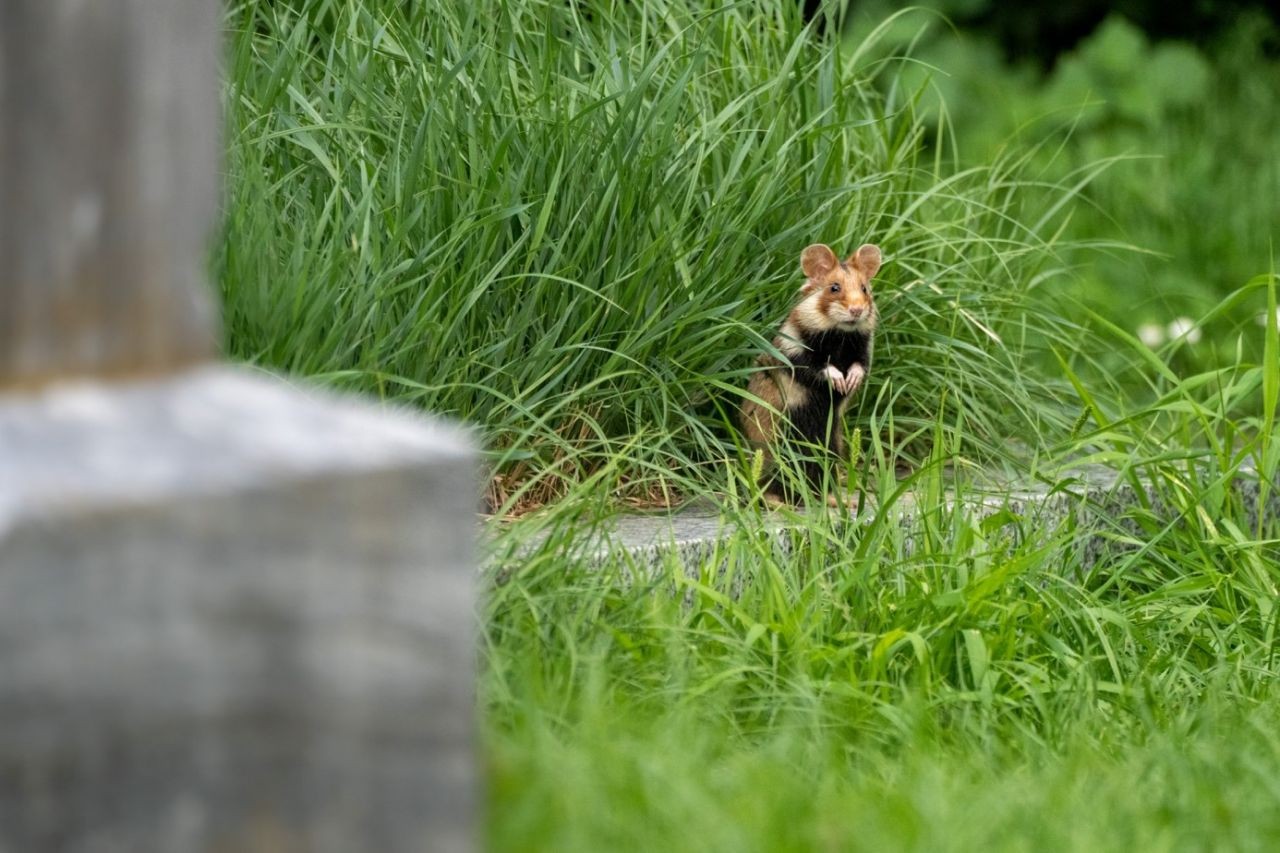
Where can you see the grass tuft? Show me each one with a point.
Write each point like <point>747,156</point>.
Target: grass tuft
<point>576,224</point>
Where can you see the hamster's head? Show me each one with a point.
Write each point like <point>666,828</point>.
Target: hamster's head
<point>837,294</point>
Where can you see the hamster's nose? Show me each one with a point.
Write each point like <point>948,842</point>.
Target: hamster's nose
<point>855,313</point>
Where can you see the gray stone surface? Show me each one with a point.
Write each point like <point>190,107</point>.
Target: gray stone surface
<point>1092,496</point>
<point>109,139</point>
<point>233,615</point>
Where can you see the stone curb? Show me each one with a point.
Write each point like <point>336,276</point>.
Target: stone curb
<point>1096,496</point>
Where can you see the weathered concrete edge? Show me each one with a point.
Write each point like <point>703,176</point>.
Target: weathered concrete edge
<point>80,447</point>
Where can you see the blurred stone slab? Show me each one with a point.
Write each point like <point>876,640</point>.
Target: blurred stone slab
<point>234,615</point>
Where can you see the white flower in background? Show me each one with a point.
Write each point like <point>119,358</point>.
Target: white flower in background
<point>1262,318</point>
<point>1184,326</point>
<point>1151,334</point>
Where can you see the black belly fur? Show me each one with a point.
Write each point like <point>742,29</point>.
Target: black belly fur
<point>842,349</point>
<point>815,422</point>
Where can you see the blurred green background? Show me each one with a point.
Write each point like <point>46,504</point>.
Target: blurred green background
<point>1168,110</point>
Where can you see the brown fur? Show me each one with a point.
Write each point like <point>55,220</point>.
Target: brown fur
<point>777,390</point>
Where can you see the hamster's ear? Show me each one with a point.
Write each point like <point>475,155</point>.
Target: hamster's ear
<point>866,260</point>
<point>817,260</point>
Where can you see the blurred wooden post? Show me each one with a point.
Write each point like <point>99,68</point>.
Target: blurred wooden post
<point>234,615</point>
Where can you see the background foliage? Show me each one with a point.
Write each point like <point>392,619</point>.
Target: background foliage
<point>1183,117</point>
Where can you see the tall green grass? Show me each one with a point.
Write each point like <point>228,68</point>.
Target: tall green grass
<point>991,682</point>
<point>576,223</point>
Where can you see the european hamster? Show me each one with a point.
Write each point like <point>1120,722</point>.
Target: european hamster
<point>827,341</point>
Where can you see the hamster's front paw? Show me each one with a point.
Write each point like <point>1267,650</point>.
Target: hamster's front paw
<point>853,379</point>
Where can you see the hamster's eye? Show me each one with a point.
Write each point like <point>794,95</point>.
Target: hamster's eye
<point>865,292</point>
<point>835,288</point>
